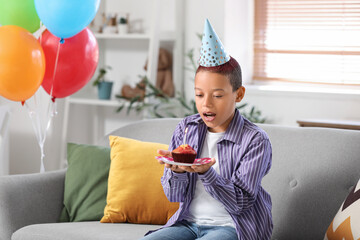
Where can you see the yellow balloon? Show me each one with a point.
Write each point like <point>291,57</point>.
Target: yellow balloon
<point>22,63</point>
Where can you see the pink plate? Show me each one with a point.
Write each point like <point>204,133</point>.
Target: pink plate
<point>198,161</point>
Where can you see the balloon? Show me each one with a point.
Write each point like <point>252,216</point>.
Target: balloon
<point>21,13</point>
<point>66,18</point>
<point>77,62</point>
<point>22,63</point>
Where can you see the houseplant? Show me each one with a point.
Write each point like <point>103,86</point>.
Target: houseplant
<point>104,86</point>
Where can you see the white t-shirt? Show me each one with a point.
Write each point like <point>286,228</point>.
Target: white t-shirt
<point>204,209</point>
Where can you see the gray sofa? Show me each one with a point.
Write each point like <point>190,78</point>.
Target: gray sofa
<point>313,170</point>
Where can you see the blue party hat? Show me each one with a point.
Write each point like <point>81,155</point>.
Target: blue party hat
<point>212,51</point>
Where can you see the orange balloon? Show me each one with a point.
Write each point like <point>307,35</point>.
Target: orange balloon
<point>22,63</point>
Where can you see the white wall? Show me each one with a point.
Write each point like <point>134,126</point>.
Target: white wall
<point>232,20</point>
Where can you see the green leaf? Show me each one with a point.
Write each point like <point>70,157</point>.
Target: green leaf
<point>119,109</point>
<point>252,111</point>
<point>242,106</point>
<point>132,101</point>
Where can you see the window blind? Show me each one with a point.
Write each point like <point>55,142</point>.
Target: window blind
<point>314,41</point>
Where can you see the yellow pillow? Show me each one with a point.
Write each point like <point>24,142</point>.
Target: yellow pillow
<point>135,193</point>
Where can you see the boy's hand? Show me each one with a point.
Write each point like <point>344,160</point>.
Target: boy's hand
<point>173,168</point>
<point>199,168</point>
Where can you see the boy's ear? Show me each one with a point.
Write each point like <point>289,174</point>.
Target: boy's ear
<point>240,93</point>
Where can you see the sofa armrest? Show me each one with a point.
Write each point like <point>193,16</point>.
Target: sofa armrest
<point>29,199</point>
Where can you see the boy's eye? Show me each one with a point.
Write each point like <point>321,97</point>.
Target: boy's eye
<point>218,96</point>
<point>198,95</point>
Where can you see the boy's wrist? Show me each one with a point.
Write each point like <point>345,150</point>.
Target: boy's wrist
<point>209,176</point>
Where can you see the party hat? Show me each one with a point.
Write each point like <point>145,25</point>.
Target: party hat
<point>212,51</point>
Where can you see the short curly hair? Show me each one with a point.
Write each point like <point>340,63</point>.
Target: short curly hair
<point>230,69</point>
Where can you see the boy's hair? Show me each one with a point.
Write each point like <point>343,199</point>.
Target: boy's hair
<point>230,69</point>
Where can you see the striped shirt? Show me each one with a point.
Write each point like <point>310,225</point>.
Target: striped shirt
<point>244,158</point>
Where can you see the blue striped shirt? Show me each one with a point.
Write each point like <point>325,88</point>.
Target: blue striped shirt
<point>244,158</point>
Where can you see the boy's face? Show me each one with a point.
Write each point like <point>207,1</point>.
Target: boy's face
<point>215,100</point>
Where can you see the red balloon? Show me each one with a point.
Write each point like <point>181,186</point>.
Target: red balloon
<point>77,62</point>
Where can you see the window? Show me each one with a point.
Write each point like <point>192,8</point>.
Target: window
<point>315,41</point>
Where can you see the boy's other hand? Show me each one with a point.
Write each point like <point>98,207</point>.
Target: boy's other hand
<point>173,168</point>
<point>199,168</point>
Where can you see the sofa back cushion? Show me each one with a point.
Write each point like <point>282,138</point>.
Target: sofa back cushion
<point>313,170</point>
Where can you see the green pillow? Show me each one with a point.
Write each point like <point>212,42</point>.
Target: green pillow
<point>85,183</point>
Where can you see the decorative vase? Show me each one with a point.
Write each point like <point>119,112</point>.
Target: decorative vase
<point>104,90</point>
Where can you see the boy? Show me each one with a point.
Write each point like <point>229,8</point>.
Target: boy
<point>224,198</point>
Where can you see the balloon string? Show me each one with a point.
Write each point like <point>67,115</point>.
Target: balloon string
<point>40,132</point>
<point>42,135</point>
<point>52,107</point>
<point>35,120</point>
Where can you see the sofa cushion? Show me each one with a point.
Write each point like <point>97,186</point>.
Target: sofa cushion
<point>85,183</point>
<point>312,172</point>
<point>135,193</point>
<point>346,222</point>
<point>83,231</point>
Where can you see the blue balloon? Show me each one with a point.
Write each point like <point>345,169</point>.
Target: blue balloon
<point>66,18</point>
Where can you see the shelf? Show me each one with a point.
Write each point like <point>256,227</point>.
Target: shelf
<point>98,102</point>
<point>327,123</point>
<point>164,36</point>
<point>95,102</point>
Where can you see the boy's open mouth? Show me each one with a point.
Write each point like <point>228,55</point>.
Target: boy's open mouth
<point>209,116</point>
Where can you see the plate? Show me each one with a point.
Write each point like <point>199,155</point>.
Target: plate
<point>169,160</point>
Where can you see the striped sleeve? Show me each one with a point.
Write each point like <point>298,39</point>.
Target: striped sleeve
<point>175,185</point>
<point>239,193</point>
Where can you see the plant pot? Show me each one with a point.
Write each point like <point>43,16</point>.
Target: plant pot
<point>104,90</point>
<point>122,28</point>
